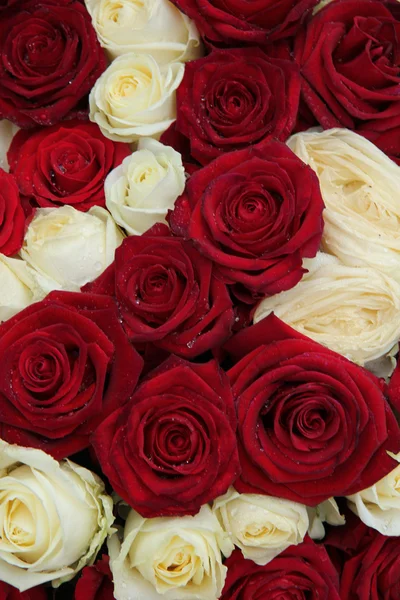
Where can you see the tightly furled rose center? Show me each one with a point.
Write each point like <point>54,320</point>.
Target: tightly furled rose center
<point>303,410</point>
<point>53,364</point>
<point>175,439</point>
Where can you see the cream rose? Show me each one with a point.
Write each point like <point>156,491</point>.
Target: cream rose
<point>261,526</point>
<point>352,310</point>
<point>326,512</point>
<point>140,191</point>
<point>67,248</point>
<point>54,517</point>
<point>175,558</point>
<point>135,97</point>
<point>153,27</point>
<point>7,132</point>
<point>379,505</point>
<point>18,287</point>
<point>360,186</point>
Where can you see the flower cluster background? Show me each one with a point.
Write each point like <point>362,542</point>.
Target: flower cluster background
<point>199,299</point>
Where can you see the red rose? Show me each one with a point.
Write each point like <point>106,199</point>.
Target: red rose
<point>95,582</point>
<point>49,60</point>
<point>8,3</point>
<point>167,294</point>
<point>349,60</point>
<point>173,447</point>
<point>311,424</point>
<point>256,213</point>
<point>7,592</point>
<point>66,364</point>
<point>244,21</point>
<point>371,562</point>
<point>394,389</point>
<point>388,141</point>
<point>64,164</point>
<point>300,572</point>
<point>12,218</point>
<point>234,98</point>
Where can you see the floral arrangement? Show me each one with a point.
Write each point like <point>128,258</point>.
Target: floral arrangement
<point>199,299</point>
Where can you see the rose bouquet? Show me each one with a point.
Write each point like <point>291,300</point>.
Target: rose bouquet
<point>199,299</point>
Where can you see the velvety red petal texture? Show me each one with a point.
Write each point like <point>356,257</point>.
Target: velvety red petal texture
<point>66,364</point>
<point>311,424</point>
<point>301,572</point>
<point>234,22</point>
<point>49,61</point>
<point>232,99</point>
<point>369,562</point>
<point>349,56</point>
<point>64,164</point>
<point>167,293</point>
<point>95,582</point>
<point>173,447</point>
<point>256,213</point>
<point>12,218</point>
<point>7,592</point>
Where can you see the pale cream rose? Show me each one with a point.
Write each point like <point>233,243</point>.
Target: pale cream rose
<point>354,311</point>
<point>18,288</point>
<point>140,191</point>
<point>175,558</point>
<point>321,5</point>
<point>360,186</point>
<point>67,248</point>
<point>326,512</point>
<point>261,526</point>
<point>7,132</point>
<point>379,505</point>
<point>153,27</point>
<point>135,97</point>
<point>54,517</point>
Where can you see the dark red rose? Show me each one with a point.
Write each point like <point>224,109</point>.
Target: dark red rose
<point>95,582</point>
<point>234,98</point>
<point>311,424</point>
<point>302,572</point>
<point>12,218</point>
<point>246,21</point>
<point>371,562</point>
<point>7,592</point>
<point>66,364</point>
<point>394,389</point>
<point>349,55</point>
<point>64,164</point>
<point>8,3</point>
<point>49,60</point>
<point>167,294</point>
<point>388,141</point>
<point>173,447</point>
<point>256,213</point>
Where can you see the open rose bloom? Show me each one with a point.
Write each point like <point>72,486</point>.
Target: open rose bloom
<point>199,299</point>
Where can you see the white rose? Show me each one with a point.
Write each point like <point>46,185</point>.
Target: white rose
<point>354,311</point>
<point>379,505</point>
<point>360,186</point>
<point>326,512</point>
<point>140,191</point>
<point>67,248</point>
<point>18,288</point>
<point>153,27</point>
<point>7,132</point>
<point>261,526</point>
<point>135,97</point>
<point>175,558</point>
<point>54,517</point>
